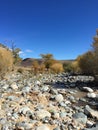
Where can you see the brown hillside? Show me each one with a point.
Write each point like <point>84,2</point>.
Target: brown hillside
<point>28,61</point>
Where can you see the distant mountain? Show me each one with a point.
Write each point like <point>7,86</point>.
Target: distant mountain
<point>28,61</point>
<point>66,61</point>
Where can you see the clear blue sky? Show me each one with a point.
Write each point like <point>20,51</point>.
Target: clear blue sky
<point>64,28</point>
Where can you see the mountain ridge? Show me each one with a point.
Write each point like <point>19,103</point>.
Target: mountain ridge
<point>27,62</point>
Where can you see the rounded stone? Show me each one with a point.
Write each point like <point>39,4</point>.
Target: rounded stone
<point>91,95</point>
<point>42,114</point>
<point>80,117</point>
<point>43,127</point>
<point>59,98</point>
<point>87,89</point>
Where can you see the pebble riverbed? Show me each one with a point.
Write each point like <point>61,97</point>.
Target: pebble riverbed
<point>48,102</point>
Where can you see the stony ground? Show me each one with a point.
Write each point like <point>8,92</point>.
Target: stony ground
<point>48,102</point>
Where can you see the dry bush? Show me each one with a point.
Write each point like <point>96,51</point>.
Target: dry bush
<point>6,61</point>
<point>57,68</point>
<point>20,70</point>
<point>35,67</point>
<point>48,60</point>
<point>67,67</point>
<point>42,67</point>
<point>86,63</point>
<point>75,67</point>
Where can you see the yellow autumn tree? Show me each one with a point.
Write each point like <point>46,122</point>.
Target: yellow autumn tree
<point>88,62</point>
<point>48,60</point>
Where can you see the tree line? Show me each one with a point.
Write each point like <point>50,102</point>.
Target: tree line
<point>86,63</point>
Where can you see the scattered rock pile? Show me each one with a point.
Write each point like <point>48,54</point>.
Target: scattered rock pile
<point>47,102</point>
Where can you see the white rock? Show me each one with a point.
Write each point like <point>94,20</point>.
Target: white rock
<point>89,123</point>
<point>38,82</point>
<point>56,115</point>
<point>59,98</point>
<point>24,109</point>
<point>67,102</point>
<point>43,127</point>
<point>42,114</point>
<point>5,86</point>
<point>14,86</point>
<point>88,89</point>
<point>91,95</point>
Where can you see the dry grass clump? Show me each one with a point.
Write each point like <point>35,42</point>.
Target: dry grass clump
<point>37,67</point>
<point>22,70</point>
<point>6,61</point>
<point>57,68</point>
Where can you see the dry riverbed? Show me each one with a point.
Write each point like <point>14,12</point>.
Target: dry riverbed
<point>48,102</point>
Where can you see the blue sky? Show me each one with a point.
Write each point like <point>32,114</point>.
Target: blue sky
<point>64,28</point>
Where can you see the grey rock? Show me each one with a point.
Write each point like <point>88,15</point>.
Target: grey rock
<point>45,88</point>
<point>24,110</point>
<point>94,128</point>
<point>72,99</point>
<point>63,114</point>
<point>26,89</point>
<point>97,96</point>
<point>57,128</point>
<point>53,91</point>
<point>12,98</point>
<point>83,99</point>
<point>3,120</point>
<point>15,115</point>
<point>5,86</point>
<point>24,126</point>
<point>90,112</point>
<point>89,124</point>
<point>80,117</point>
<point>5,127</point>
<point>62,104</point>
